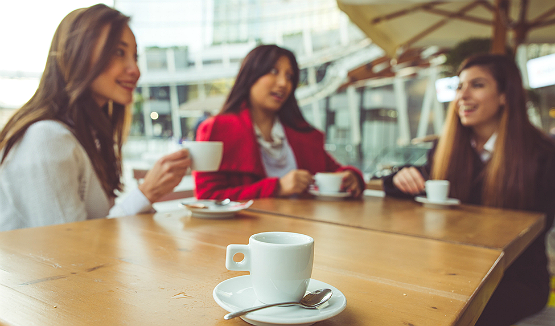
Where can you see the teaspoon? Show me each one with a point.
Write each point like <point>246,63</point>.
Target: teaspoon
<point>310,300</point>
<point>222,202</point>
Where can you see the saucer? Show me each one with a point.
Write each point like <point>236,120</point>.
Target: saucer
<point>237,293</point>
<point>329,195</point>
<point>447,203</point>
<point>209,209</point>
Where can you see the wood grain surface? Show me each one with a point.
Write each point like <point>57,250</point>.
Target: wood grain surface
<point>508,230</point>
<point>161,270</point>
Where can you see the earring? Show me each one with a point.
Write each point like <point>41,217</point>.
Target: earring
<point>110,107</point>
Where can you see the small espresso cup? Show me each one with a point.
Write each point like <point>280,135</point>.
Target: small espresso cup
<point>280,264</point>
<point>328,182</point>
<point>205,155</point>
<point>437,190</point>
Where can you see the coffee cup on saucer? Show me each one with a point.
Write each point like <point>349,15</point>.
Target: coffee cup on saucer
<point>205,155</point>
<point>328,182</point>
<point>280,264</point>
<point>437,190</point>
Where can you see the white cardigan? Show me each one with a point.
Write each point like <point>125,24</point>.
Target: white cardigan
<point>47,178</point>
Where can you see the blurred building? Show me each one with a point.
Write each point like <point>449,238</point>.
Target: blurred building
<point>190,52</point>
<point>180,82</point>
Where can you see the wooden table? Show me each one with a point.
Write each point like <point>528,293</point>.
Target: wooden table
<point>508,230</point>
<point>375,184</point>
<point>161,270</point>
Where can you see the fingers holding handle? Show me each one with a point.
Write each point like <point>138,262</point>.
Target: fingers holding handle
<point>295,182</point>
<point>409,180</point>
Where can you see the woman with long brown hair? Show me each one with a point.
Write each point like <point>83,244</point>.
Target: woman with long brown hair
<point>269,148</point>
<point>60,158</point>
<point>493,155</point>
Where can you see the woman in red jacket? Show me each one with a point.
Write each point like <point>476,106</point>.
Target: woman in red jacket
<point>269,148</point>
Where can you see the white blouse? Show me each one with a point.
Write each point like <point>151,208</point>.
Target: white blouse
<point>487,151</point>
<point>48,178</point>
<point>277,156</point>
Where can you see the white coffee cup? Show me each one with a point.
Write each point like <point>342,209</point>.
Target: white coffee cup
<point>280,264</point>
<point>437,190</point>
<point>205,155</point>
<point>328,182</point>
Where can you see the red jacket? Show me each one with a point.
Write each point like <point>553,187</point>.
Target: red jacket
<point>241,174</point>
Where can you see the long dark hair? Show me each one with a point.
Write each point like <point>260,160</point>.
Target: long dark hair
<point>64,92</point>
<point>510,175</point>
<point>256,64</point>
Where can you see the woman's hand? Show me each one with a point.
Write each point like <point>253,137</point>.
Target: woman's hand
<point>350,183</point>
<point>409,180</point>
<point>294,182</point>
<point>165,175</point>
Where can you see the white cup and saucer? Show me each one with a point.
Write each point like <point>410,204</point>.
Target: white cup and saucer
<point>328,186</point>
<point>280,266</point>
<point>437,192</point>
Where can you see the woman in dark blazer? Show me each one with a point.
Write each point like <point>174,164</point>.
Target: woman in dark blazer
<point>492,155</point>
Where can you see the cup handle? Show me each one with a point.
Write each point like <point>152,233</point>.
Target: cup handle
<point>243,265</point>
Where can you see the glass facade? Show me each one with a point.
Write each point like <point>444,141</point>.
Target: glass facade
<point>184,79</point>
<point>156,59</point>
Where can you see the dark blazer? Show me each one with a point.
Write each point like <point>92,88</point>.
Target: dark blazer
<point>241,174</point>
<point>524,288</point>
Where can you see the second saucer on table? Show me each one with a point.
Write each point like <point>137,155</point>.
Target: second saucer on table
<point>209,208</point>
<point>329,195</point>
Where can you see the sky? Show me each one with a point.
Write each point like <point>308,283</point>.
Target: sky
<point>167,23</point>
<point>28,26</point>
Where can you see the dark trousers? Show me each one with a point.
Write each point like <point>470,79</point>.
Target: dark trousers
<point>523,290</point>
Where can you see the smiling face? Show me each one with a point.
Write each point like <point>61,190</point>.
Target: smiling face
<point>119,79</point>
<point>271,90</point>
<point>478,99</point>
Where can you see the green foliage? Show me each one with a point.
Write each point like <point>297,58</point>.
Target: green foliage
<point>465,49</point>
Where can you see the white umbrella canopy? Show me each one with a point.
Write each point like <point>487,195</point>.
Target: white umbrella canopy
<point>397,25</point>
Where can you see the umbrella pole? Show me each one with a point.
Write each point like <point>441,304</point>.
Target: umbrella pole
<point>500,27</point>
<point>521,27</point>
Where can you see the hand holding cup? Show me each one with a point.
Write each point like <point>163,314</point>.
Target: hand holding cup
<point>409,180</point>
<point>165,175</point>
<point>294,182</point>
<point>351,183</point>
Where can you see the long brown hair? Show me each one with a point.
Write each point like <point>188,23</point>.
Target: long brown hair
<point>64,92</point>
<point>510,175</point>
<point>256,64</point>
